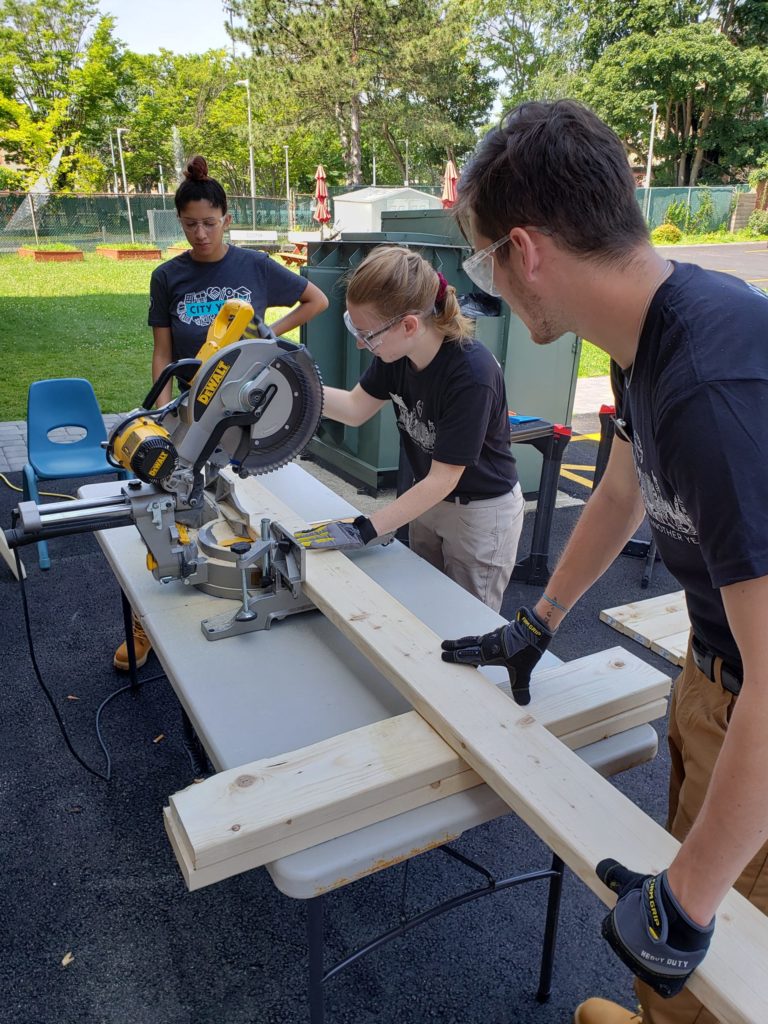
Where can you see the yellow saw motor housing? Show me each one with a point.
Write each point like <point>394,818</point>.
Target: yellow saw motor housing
<point>145,448</point>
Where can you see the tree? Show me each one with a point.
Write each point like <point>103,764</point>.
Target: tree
<point>387,69</point>
<point>710,94</point>
<point>61,84</point>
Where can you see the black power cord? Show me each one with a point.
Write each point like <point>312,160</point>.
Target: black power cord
<point>104,776</point>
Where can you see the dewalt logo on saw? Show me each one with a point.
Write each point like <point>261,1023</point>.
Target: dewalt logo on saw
<point>212,383</point>
<point>158,464</point>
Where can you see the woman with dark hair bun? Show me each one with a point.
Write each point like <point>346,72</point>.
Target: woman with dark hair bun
<point>187,292</point>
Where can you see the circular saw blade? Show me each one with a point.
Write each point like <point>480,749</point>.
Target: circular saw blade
<point>293,414</point>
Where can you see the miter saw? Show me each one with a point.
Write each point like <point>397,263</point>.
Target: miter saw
<point>253,404</point>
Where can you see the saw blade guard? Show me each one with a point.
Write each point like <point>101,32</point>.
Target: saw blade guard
<point>258,403</point>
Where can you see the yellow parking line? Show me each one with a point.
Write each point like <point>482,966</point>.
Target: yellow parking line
<point>585,437</point>
<point>576,478</point>
<point>757,280</point>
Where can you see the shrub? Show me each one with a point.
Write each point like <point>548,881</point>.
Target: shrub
<point>137,246</point>
<point>678,214</point>
<point>703,220</point>
<point>666,234</point>
<point>759,174</point>
<point>51,247</point>
<point>758,222</point>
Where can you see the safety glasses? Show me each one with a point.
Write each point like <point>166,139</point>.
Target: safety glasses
<point>367,337</point>
<point>479,268</point>
<point>208,225</point>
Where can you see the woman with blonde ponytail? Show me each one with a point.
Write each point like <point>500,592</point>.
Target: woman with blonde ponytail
<point>465,508</point>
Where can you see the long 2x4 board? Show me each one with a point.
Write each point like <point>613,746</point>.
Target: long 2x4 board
<point>576,813</point>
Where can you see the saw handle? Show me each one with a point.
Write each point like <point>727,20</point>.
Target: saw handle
<point>228,326</point>
<point>170,370</point>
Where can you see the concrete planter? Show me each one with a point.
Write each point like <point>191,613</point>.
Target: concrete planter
<point>50,256</point>
<point>116,253</point>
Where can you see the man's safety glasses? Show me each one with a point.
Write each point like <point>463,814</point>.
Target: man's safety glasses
<point>479,267</point>
<point>367,337</point>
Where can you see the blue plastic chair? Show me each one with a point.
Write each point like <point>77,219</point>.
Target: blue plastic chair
<point>52,404</point>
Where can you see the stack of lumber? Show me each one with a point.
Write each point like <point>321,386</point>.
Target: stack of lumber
<point>660,623</point>
<point>578,814</point>
<point>249,816</point>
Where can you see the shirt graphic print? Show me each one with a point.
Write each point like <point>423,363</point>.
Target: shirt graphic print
<point>201,307</point>
<point>410,421</point>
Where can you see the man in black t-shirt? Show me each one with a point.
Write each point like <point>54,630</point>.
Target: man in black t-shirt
<point>550,203</point>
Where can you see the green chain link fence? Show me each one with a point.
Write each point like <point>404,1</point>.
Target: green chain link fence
<point>700,209</point>
<point>86,221</point>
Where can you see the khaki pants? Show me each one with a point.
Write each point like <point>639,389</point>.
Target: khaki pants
<point>698,718</point>
<point>475,544</point>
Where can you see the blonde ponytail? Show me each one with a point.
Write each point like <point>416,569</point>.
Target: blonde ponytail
<point>393,279</point>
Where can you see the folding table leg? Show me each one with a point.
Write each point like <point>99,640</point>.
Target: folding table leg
<point>315,941</point>
<point>550,930</point>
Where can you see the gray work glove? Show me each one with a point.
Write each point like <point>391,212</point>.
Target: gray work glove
<point>338,536</point>
<point>518,646</point>
<point>649,931</point>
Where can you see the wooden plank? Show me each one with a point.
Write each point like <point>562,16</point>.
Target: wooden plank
<point>576,813</point>
<point>197,876</point>
<point>278,798</point>
<point>673,648</point>
<point>660,623</point>
<point>10,558</point>
<point>636,612</point>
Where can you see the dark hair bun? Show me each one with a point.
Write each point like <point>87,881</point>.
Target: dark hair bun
<point>197,169</point>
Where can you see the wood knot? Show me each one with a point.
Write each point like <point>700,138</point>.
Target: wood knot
<point>235,828</point>
<point>526,720</point>
<point>243,781</point>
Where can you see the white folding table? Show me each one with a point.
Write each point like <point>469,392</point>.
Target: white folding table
<point>269,692</point>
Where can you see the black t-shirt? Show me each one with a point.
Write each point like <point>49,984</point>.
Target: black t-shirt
<point>186,295</point>
<point>696,409</point>
<point>453,411</point>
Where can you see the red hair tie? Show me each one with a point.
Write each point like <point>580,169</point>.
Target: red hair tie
<point>441,288</point>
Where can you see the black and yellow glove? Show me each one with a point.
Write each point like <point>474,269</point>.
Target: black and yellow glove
<point>338,535</point>
<point>649,931</point>
<point>518,646</point>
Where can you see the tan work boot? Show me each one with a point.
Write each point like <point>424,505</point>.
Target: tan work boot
<point>141,644</point>
<point>603,1011</point>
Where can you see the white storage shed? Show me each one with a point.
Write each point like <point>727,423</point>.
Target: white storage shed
<point>361,210</point>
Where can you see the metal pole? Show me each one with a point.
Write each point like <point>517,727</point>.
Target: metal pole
<point>647,183</point>
<point>247,83</point>
<point>288,188</point>
<point>125,181</point>
<point>31,197</point>
<point>114,165</point>
<point>162,183</point>
<point>407,175</point>
<point>374,168</point>
<point>250,154</point>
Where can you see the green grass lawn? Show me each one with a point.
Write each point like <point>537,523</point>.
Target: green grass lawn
<point>85,319</point>
<point>89,320</point>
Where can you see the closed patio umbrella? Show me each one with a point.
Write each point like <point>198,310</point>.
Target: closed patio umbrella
<point>450,177</point>
<point>322,214</point>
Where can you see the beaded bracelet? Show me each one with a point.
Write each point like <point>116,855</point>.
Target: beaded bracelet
<point>553,602</point>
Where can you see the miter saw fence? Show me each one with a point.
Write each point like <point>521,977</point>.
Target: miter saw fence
<point>254,404</point>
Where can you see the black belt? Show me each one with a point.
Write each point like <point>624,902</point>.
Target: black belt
<point>466,499</point>
<point>704,660</point>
